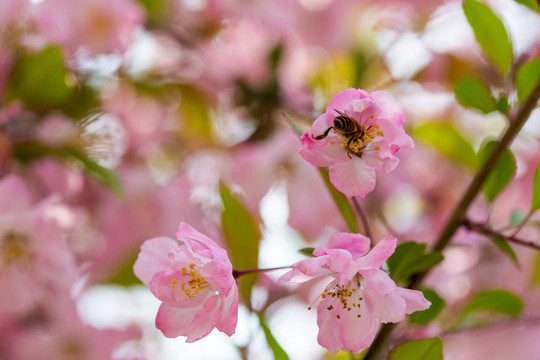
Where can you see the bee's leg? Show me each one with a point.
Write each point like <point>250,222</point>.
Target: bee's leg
<point>322,136</point>
<point>348,147</point>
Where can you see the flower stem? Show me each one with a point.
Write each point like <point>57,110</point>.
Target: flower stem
<point>483,229</point>
<point>238,273</point>
<point>379,345</point>
<point>363,217</point>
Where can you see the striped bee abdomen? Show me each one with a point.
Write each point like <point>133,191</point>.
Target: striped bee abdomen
<point>345,124</point>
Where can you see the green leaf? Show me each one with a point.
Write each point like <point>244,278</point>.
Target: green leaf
<point>425,349</point>
<point>242,235</point>
<point>293,125</point>
<point>409,259</point>
<point>517,217</point>
<point>499,301</point>
<point>33,150</point>
<point>425,316</point>
<point>473,93</point>
<point>41,81</point>
<point>102,175</point>
<point>490,34</point>
<point>536,191</point>
<point>527,77</point>
<point>308,251</point>
<point>123,274</point>
<point>28,151</point>
<point>531,4</point>
<point>502,105</point>
<point>536,270</point>
<point>448,141</point>
<point>501,174</point>
<point>341,201</point>
<point>505,247</point>
<point>279,353</point>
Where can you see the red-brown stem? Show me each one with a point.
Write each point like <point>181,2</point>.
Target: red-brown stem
<point>238,273</point>
<point>484,230</point>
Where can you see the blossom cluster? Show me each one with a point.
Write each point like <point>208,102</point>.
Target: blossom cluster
<point>120,119</point>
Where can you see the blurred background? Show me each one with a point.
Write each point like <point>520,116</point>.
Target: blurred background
<point>121,118</point>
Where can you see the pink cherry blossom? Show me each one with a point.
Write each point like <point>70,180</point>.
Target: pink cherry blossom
<point>194,280</point>
<point>360,296</point>
<point>354,160</point>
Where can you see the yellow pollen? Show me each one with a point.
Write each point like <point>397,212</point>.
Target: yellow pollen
<point>192,286</point>
<point>372,116</point>
<point>376,147</point>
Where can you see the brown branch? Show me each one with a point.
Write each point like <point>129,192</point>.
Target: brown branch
<point>484,230</point>
<point>363,218</point>
<point>381,343</point>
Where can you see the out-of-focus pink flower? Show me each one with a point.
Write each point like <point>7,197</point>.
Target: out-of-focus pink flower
<point>99,26</point>
<point>360,294</point>
<point>34,258</point>
<point>357,136</point>
<point>195,282</point>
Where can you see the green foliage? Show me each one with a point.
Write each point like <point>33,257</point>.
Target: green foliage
<point>501,174</point>
<point>308,251</point>
<point>498,301</point>
<point>409,259</point>
<point>32,150</point>
<point>277,350</point>
<point>490,34</point>
<point>242,235</point>
<point>505,247</point>
<point>425,316</point>
<point>293,125</point>
<point>102,175</point>
<point>341,201</point>
<point>424,349</point>
<point>448,141</point>
<point>517,217</point>
<point>527,78</point>
<point>531,4</point>
<point>473,93</point>
<point>41,81</point>
<point>536,191</point>
<point>124,274</point>
<point>536,270</point>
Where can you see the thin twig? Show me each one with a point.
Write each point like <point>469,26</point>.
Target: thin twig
<point>237,273</point>
<point>363,217</point>
<point>380,344</point>
<point>483,229</point>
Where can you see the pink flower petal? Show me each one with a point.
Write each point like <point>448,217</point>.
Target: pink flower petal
<point>320,153</point>
<point>305,270</point>
<point>353,178</point>
<point>174,321</point>
<point>378,255</point>
<point>414,300</point>
<point>358,245</point>
<point>391,108</point>
<point>153,258</point>
<point>341,329</point>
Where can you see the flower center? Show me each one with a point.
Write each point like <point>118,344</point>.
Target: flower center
<point>193,281</point>
<point>13,246</point>
<point>341,300</point>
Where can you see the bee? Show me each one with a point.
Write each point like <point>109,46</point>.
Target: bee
<point>355,136</point>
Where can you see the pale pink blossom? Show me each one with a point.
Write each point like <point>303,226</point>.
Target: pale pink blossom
<point>359,296</point>
<point>353,160</point>
<point>194,280</point>
<point>34,257</point>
